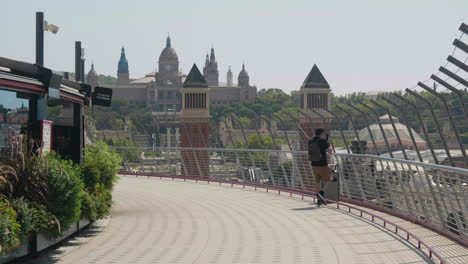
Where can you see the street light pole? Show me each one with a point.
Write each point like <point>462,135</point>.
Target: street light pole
<point>78,61</point>
<point>40,38</point>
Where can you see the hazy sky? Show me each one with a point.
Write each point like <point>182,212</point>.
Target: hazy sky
<point>359,45</point>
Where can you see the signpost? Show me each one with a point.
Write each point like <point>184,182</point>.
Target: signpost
<point>46,135</point>
<point>102,96</point>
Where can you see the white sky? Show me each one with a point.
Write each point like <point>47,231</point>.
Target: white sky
<point>359,45</point>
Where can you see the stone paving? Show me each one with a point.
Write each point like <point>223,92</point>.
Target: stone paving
<point>163,221</point>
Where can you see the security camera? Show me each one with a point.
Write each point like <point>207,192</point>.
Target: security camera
<point>50,27</point>
<point>53,28</point>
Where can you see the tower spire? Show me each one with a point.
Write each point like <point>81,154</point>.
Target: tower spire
<point>212,55</point>
<point>168,41</point>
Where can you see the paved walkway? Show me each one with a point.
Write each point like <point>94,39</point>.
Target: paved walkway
<point>164,221</point>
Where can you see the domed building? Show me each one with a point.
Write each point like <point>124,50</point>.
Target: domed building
<point>160,90</point>
<point>392,139</point>
<point>168,74</point>
<point>243,78</point>
<point>92,77</point>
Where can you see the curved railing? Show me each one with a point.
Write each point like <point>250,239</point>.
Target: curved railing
<point>432,195</point>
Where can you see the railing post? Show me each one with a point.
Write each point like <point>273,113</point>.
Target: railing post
<point>450,117</point>
<point>377,117</point>
<point>436,122</point>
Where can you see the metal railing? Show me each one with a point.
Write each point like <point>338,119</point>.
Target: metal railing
<point>432,195</point>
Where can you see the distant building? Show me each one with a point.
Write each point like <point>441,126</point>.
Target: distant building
<point>391,136</point>
<point>223,95</point>
<point>160,90</point>
<point>372,94</point>
<point>92,77</point>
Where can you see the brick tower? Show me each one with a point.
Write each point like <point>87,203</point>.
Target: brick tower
<point>315,95</point>
<point>194,120</point>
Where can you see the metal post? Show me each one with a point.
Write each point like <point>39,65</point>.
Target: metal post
<point>273,137</point>
<point>403,113</point>
<point>252,160</point>
<point>459,93</point>
<point>40,38</point>
<point>354,124</point>
<point>436,122</point>
<point>452,122</point>
<point>42,99</point>
<point>393,126</point>
<point>232,142</point>
<point>261,142</point>
<point>83,70</point>
<point>426,135</point>
<point>341,131</point>
<point>78,67</point>
<point>381,127</point>
<point>368,127</point>
<point>289,144</point>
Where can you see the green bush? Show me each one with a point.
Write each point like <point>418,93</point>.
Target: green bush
<point>88,207</point>
<point>24,219</point>
<point>100,167</point>
<point>27,177</point>
<point>96,205</point>
<point>66,190</point>
<point>9,228</point>
<point>43,220</point>
<point>103,201</point>
<point>33,218</point>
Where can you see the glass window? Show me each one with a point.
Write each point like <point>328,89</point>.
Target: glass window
<point>60,112</point>
<point>15,116</point>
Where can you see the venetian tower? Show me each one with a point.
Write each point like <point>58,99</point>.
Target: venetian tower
<point>314,98</point>
<point>194,121</point>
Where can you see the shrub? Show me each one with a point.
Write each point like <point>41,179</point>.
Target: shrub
<point>96,205</point>
<point>100,166</point>
<point>88,207</point>
<point>24,217</point>
<point>27,177</point>
<point>66,190</point>
<point>33,218</point>
<point>43,220</point>
<point>9,228</point>
<point>103,201</point>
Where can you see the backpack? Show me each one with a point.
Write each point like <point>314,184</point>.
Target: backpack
<point>314,151</point>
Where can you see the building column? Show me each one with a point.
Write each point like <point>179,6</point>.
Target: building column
<point>168,137</point>
<point>177,136</point>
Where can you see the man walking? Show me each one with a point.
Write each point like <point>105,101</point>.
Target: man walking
<point>318,148</point>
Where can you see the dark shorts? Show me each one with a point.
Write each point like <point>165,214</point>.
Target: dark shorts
<point>321,172</point>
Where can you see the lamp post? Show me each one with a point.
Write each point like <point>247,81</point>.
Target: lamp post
<point>41,26</point>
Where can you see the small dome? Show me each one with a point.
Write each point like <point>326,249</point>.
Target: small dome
<point>168,53</point>
<point>243,73</point>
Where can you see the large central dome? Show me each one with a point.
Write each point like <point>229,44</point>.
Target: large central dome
<point>168,53</point>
